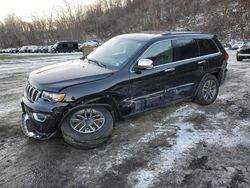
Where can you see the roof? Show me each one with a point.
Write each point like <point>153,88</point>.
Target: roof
<point>150,35</point>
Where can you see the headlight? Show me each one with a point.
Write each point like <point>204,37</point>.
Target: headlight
<point>53,97</point>
<point>239,50</point>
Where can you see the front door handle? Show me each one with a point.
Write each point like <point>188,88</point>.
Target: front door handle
<point>169,69</point>
<point>201,62</point>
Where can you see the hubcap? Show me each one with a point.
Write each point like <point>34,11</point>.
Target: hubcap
<point>209,90</point>
<point>87,120</point>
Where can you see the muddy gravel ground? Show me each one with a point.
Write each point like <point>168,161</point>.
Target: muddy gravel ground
<point>183,145</point>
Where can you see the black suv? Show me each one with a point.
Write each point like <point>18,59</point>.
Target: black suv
<point>127,75</point>
<point>65,46</point>
<point>243,52</point>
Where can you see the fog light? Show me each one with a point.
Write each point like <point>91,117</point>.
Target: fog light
<point>40,117</point>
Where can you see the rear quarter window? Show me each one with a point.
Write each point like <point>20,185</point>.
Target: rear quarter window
<point>207,46</point>
<point>185,49</point>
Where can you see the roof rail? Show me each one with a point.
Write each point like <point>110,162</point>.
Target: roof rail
<point>182,32</point>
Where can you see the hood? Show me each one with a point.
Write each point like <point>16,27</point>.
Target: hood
<point>58,76</point>
<point>245,47</point>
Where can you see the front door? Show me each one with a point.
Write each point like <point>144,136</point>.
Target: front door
<point>148,87</point>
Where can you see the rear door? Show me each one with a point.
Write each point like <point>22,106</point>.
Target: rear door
<point>210,54</point>
<point>189,67</point>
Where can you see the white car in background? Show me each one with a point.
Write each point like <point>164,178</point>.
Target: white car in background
<point>237,45</point>
<point>32,49</point>
<point>28,49</point>
<point>87,47</point>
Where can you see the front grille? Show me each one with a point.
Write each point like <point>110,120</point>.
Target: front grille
<point>245,51</point>
<point>32,93</point>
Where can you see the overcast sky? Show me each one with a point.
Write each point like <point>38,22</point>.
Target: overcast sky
<point>26,8</point>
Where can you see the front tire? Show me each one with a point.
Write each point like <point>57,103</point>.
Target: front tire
<point>87,127</point>
<point>207,91</point>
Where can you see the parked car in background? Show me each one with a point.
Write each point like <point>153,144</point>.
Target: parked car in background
<point>64,46</point>
<point>237,45</point>
<point>11,50</point>
<point>39,50</point>
<point>23,49</point>
<point>32,49</point>
<point>87,47</point>
<point>127,75</point>
<point>44,49</point>
<point>243,52</point>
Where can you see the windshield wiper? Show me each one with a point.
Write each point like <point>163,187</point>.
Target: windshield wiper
<point>100,64</point>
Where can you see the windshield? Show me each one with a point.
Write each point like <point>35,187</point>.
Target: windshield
<point>247,44</point>
<point>115,52</point>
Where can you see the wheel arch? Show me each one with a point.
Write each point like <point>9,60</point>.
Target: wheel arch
<point>106,101</point>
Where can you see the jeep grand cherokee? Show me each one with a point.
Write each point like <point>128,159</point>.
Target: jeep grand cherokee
<point>127,75</point>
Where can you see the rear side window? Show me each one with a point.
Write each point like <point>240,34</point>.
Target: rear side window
<point>160,52</point>
<point>185,49</point>
<point>207,47</point>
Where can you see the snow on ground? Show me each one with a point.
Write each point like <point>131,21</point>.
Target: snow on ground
<point>183,145</point>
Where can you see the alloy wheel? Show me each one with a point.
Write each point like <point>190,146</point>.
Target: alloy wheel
<point>209,90</point>
<point>87,120</point>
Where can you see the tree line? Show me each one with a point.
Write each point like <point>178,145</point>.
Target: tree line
<point>229,19</point>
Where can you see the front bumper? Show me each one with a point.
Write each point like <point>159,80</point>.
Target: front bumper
<point>243,55</point>
<point>40,119</point>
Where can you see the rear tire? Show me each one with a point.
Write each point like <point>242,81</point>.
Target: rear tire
<point>87,135</point>
<point>207,91</point>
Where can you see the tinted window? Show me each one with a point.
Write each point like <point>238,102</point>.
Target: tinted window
<point>185,49</point>
<point>207,46</point>
<point>70,45</point>
<point>160,53</point>
<point>64,45</point>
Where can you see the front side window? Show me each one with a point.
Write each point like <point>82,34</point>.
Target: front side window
<point>207,47</point>
<point>160,52</point>
<point>185,49</point>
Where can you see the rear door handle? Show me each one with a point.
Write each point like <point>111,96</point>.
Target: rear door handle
<point>201,62</point>
<point>169,69</point>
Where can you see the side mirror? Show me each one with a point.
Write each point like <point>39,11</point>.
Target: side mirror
<point>144,64</point>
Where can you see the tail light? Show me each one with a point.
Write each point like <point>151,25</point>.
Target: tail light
<point>226,57</point>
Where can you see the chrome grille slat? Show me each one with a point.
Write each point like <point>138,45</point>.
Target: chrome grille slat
<point>38,95</point>
<point>28,89</point>
<point>32,93</point>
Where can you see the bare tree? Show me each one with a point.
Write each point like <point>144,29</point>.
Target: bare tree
<point>106,18</point>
